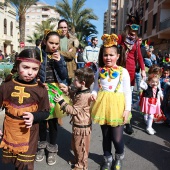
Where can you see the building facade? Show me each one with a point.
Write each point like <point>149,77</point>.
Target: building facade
<point>9,30</point>
<point>156,23</point>
<point>36,14</point>
<point>115,17</point>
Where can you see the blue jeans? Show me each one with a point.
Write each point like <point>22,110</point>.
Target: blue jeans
<point>80,64</point>
<point>137,80</point>
<point>147,62</point>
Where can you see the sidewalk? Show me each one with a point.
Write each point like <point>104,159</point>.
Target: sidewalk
<point>142,151</point>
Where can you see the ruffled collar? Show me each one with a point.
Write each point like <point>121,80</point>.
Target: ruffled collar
<point>113,72</point>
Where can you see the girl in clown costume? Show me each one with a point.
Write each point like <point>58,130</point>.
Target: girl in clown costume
<point>112,100</point>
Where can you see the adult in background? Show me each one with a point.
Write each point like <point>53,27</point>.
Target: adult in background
<point>129,40</point>
<point>153,56</point>
<point>79,59</point>
<point>68,47</point>
<point>137,70</point>
<point>38,45</point>
<point>91,52</point>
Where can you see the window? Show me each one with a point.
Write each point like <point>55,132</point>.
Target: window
<point>145,26</point>
<point>38,17</point>
<point>11,28</point>
<point>147,4</point>
<point>28,16</point>
<point>154,21</point>
<point>5,26</point>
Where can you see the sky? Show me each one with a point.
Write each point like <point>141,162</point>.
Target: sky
<point>98,6</point>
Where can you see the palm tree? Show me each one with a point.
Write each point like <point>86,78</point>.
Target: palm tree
<point>44,25</point>
<point>34,37</point>
<point>21,8</point>
<point>84,30</point>
<point>39,28</point>
<point>78,17</point>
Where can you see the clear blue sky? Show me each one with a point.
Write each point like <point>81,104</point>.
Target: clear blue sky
<point>98,6</point>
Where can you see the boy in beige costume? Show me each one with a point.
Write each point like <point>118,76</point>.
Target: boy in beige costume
<point>81,118</point>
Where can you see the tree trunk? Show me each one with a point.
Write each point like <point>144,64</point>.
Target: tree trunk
<point>22,27</point>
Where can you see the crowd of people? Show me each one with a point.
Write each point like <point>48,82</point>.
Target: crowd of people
<point>103,95</point>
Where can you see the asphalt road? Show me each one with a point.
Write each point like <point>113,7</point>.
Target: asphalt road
<point>142,151</point>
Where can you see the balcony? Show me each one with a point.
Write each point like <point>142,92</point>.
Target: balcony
<point>164,24</point>
<point>164,29</point>
<point>7,38</point>
<point>113,8</point>
<point>113,13</point>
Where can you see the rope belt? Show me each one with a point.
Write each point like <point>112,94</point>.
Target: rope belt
<point>14,117</point>
<point>82,126</point>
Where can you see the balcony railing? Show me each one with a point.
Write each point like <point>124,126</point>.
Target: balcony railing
<point>165,24</point>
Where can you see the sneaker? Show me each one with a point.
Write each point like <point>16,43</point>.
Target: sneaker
<point>153,130</point>
<point>52,158</point>
<point>150,131</point>
<point>40,155</point>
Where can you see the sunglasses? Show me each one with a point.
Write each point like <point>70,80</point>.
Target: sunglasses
<point>134,27</point>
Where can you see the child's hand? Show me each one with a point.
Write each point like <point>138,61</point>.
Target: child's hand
<point>56,56</point>
<point>1,134</point>
<point>58,98</point>
<point>125,116</point>
<point>28,119</point>
<point>93,97</point>
<point>63,87</point>
<point>143,74</point>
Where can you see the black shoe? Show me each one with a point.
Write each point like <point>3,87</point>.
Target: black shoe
<point>107,165</point>
<point>118,165</point>
<point>128,130</point>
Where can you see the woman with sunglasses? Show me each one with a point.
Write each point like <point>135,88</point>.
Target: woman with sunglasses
<point>68,47</point>
<point>129,40</point>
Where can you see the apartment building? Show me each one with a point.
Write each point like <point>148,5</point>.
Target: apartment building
<point>9,30</point>
<point>155,23</point>
<point>115,17</point>
<point>110,17</point>
<point>36,14</point>
<point>105,26</point>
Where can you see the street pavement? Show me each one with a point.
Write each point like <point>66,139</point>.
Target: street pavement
<point>142,151</point>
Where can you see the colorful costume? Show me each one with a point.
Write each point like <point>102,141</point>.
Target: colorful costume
<point>133,55</point>
<point>18,97</point>
<point>81,130</point>
<point>114,96</point>
<point>150,99</point>
<point>54,72</point>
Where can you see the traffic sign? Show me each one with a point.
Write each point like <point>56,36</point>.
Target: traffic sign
<point>22,44</point>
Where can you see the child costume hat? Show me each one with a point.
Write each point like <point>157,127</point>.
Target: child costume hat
<point>109,40</point>
<point>133,21</point>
